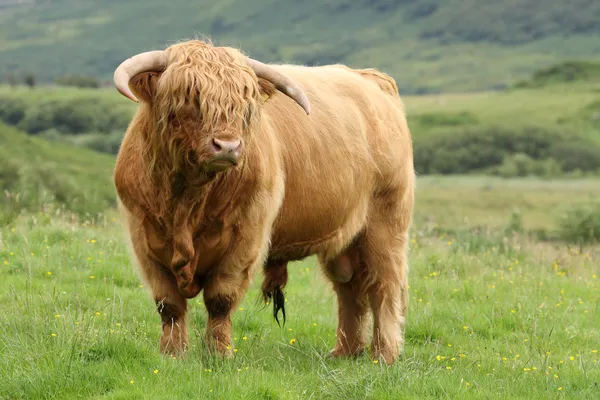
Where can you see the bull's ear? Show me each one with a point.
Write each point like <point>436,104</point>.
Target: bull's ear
<point>143,85</point>
<point>266,88</point>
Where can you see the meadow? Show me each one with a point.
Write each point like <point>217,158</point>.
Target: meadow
<point>495,311</point>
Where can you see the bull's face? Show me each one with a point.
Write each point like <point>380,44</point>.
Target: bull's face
<point>204,100</point>
<point>206,146</point>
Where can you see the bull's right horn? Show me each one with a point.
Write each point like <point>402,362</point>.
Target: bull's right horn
<point>281,82</point>
<point>149,61</point>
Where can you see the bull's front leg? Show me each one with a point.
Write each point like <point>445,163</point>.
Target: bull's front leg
<point>222,294</point>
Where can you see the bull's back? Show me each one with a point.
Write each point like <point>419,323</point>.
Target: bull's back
<point>331,158</point>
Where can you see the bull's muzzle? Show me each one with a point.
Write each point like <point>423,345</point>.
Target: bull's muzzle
<point>225,154</point>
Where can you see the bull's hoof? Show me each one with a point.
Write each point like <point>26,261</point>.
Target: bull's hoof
<point>172,348</point>
<point>385,356</point>
<point>340,352</point>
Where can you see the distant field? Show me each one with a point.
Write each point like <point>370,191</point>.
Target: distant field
<point>468,202</point>
<point>562,106</point>
<point>490,315</point>
<point>427,45</point>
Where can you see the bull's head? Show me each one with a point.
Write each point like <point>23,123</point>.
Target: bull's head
<point>203,100</point>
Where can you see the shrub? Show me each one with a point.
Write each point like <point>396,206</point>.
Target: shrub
<point>573,155</point>
<point>565,72</point>
<point>68,115</point>
<point>516,152</point>
<point>12,111</point>
<point>78,81</point>
<point>105,143</point>
<point>581,224</point>
<point>521,164</point>
<point>446,119</point>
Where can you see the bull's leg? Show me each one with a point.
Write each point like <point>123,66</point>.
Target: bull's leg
<point>170,304</point>
<point>221,295</point>
<point>384,252</point>
<point>346,273</point>
<point>171,307</point>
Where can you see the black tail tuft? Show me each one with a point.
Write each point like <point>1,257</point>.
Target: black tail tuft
<point>278,304</point>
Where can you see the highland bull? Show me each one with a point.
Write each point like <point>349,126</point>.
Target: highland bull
<point>219,173</point>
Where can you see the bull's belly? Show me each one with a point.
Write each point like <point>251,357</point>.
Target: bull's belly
<point>297,235</point>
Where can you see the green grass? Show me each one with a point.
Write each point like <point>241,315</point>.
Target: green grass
<point>490,315</point>
<point>428,45</point>
<point>568,106</point>
<point>476,201</point>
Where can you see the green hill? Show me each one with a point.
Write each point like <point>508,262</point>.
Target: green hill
<point>427,45</point>
<point>35,174</point>
<point>547,129</point>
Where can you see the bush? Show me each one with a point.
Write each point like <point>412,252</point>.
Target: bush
<point>105,143</point>
<point>520,165</point>
<point>68,115</point>
<point>565,72</point>
<point>81,81</point>
<point>504,152</point>
<point>446,119</point>
<point>574,155</point>
<point>12,111</point>
<point>581,224</point>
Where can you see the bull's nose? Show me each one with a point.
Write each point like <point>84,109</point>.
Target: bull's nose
<point>226,147</point>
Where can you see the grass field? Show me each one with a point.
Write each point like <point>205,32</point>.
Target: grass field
<point>491,315</point>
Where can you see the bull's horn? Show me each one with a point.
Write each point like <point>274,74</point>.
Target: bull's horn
<point>281,82</point>
<point>143,62</point>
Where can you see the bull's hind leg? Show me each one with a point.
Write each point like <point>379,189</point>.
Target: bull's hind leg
<point>345,272</point>
<point>384,252</point>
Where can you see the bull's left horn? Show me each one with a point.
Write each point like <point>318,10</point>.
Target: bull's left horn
<point>281,82</point>
<point>143,62</point>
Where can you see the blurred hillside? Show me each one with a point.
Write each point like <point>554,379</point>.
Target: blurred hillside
<point>427,45</point>
<point>38,175</point>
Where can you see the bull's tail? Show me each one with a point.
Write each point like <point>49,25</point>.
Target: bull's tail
<point>275,279</point>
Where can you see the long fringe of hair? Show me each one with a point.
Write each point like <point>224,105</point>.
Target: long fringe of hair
<point>216,82</point>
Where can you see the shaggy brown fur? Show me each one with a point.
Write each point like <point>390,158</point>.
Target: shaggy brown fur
<point>337,183</point>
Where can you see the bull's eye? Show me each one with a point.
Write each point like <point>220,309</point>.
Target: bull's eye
<point>173,120</point>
